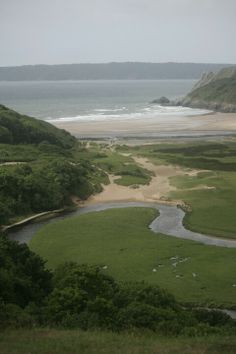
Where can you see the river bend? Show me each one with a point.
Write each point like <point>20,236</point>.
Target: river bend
<point>169,222</point>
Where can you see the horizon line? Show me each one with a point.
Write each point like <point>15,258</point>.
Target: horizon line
<point>117,62</point>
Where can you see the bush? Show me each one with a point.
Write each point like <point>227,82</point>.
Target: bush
<point>141,315</point>
<point>12,315</point>
<point>212,317</point>
<point>81,296</point>
<point>65,303</point>
<point>149,294</point>
<point>23,276</point>
<point>88,279</point>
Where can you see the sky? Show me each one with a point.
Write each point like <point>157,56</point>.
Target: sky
<point>96,31</point>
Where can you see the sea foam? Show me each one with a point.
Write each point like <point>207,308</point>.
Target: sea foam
<point>145,113</point>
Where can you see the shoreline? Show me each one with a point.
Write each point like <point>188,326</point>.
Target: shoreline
<point>212,124</point>
<point>32,218</point>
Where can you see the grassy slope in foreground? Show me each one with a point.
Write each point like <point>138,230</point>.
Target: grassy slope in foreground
<point>45,341</point>
<point>120,240</point>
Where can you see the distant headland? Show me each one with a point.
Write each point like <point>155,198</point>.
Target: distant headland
<point>109,71</point>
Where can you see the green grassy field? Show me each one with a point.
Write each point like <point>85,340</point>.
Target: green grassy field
<point>213,210</point>
<point>112,162</point>
<point>120,241</point>
<point>43,341</point>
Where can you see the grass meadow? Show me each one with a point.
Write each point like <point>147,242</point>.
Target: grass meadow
<point>45,341</point>
<point>213,209</point>
<point>119,241</point>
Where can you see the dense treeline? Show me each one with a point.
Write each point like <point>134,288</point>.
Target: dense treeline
<point>48,173</point>
<point>34,188</point>
<point>81,296</point>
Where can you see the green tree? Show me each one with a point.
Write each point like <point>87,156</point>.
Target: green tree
<point>23,277</point>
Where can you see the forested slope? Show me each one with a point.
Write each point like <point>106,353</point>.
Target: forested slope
<point>38,167</point>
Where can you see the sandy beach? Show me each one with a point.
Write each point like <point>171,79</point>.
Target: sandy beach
<point>210,124</point>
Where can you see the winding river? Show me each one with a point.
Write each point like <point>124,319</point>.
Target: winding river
<point>169,222</point>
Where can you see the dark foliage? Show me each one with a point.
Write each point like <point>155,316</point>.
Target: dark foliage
<point>26,189</point>
<point>47,175</point>
<point>84,297</point>
<point>16,128</point>
<point>23,277</point>
<point>81,296</point>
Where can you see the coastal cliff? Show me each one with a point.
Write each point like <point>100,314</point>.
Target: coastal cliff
<point>214,91</point>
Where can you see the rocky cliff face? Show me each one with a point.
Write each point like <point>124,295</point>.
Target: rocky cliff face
<point>214,91</point>
<point>205,80</point>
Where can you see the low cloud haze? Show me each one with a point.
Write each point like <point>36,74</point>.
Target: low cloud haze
<point>75,31</point>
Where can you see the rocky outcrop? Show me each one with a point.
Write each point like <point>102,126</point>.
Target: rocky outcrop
<point>164,101</point>
<point>215,92</point>
<point>205,80</point>
<point>211,106</point>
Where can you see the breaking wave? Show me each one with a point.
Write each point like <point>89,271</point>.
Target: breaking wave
<point>150,112</point>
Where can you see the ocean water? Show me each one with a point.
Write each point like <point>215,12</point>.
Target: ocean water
<point>68,101</point>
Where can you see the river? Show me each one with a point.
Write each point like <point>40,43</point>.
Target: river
<point>169,222</point>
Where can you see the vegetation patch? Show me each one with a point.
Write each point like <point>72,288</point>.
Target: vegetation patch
<point>41,168</point>
<point>212,210</point>
<point>85,297</point>
<point>44,341</point>
<point>119,241</point>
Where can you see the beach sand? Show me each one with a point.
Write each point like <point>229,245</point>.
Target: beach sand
<point>211,124</point>
<point>157,191</point>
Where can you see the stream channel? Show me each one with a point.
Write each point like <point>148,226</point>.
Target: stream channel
<point>168,222</point>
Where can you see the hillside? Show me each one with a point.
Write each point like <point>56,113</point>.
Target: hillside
<point>214,92</point>
<point>108,71</point>
<point>16,128</point>
<point>41,167</point>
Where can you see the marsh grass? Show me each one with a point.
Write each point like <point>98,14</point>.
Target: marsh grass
<point>119,239</point>
<point>213,210</point>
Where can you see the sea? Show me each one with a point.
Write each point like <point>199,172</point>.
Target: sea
<point>75,101</point>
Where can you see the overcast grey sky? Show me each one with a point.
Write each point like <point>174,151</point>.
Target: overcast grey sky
<point>75,31</point>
